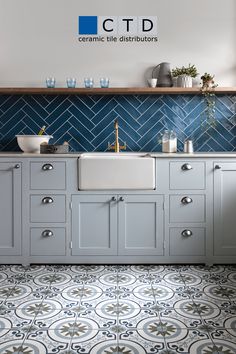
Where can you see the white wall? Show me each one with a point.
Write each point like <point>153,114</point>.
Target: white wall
<point>38,38</point>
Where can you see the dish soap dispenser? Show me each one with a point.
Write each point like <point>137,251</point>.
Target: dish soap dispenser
<point>169,141</point>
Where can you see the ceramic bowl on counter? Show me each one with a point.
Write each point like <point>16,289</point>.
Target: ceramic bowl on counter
<point>31,143</point>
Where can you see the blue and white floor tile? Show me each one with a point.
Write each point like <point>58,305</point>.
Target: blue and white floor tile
<point>118,309</point>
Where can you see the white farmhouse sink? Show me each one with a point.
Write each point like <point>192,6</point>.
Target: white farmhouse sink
<point>107,171</point>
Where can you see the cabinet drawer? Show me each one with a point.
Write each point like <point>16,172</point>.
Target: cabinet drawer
<point>48,175</point>
<point>47,208</point>
<point>187,208</point>
<point>187,175</point>
<point>47,241</point>
<point>187,241</point>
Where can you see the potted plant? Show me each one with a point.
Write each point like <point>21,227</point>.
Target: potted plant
<point>185,75</point>
<point>207,88</point>
<point>208,82</point>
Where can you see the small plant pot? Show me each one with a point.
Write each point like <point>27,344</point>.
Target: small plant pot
<point>207,84</point>
<point>184,81</point>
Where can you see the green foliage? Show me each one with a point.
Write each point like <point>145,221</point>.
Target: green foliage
<point>207,77</point>
<point>207,89</point>
<point>189,70</point>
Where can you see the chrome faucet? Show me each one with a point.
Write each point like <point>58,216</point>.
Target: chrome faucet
<point>117,147</point>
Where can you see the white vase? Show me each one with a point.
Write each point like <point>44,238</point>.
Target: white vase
<point>184,81</point>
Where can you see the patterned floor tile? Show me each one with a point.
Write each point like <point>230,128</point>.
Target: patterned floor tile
<point>130,309</point>
<point>18,346</point>
<point>135,341</point>
<point>224,341</point>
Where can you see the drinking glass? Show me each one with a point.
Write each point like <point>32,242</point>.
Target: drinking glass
<point>71,82</point>
<point>88,82</point>
<point>104,82</point>
<point>50,82</point>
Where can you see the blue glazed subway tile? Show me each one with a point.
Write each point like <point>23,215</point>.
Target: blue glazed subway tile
<point>88,121</point>
<point>9,102</point>
<point>82,139</point>
<point>83,108</point>
<point>77,124</point>
<point>150,110</point>
<point>155,118</point>
<point>57,124</point>
<point>38,108</point>
<point>223,108</point>
<point>132,99</point>
<point>104,111</point>
<point>10,112</point>
<point>55,103</point>
<point>11,123</point>
<point>122,113</point>
<point>148,101</point>
<point>103,135</point>
<point>89,101</point>
<point>104,123</point>
<point>126,105</point>
<point>65,127</point>
<point>81,117</point>
<point>103,101</point>
<point>128,128</point>
<point>58,111</point>
<point>154,132</point>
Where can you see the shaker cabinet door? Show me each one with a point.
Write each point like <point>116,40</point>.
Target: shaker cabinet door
<point>140,225</point>
<point>10,209</point>
<point>225,209</point>
<point>94,225</point>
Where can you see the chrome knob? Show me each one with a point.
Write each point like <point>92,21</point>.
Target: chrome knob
<point>186,233</point>
<point>186,167</point>
<point>121,199</point>
<point>186,200</point>
<point>47,233</point>
<point>47,167</point>
<point>17,166</point>
<point>217,167</point>
<point>113,199</point>
<point>47,200</point>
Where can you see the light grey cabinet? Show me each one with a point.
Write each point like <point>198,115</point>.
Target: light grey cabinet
<point>94,225</point>
<point>47,208</point>
<point>48,174</point>
<point>47,242</point>
<point>140,225</point>
<point>189,217</point>
<point>187,175</point>
<point>187,208</point>
<point>225,209</point>
<point>10,208</point>
<point>117,225</point>
<point>190,241</point>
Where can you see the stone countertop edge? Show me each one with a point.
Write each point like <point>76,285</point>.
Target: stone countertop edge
<point>151,154</point>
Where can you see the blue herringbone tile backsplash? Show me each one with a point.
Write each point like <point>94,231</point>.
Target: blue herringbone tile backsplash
<point>86,122</point>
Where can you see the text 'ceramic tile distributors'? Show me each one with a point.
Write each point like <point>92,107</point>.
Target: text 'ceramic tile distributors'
<point>117,29</point>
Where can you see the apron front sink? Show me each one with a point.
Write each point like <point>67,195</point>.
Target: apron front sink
<point>111,171</point>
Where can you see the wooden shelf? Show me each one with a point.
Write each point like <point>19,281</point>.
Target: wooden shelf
<point>110,91</point>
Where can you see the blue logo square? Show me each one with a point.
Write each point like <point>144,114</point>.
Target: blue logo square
<point>88,25</point>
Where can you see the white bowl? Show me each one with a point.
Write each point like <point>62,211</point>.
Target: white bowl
<point>31,143</point>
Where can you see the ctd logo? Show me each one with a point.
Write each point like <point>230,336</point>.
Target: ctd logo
<point>118,25</point>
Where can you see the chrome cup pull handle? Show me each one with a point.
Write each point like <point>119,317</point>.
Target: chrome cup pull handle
<point>47,167</point>
<point>47,233</point>
<point>47,200</point>
<point>186,233</point>
<point>113,199</point>
<point>121,199</point>
<point>186,167</point>
<point>186,200</point>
